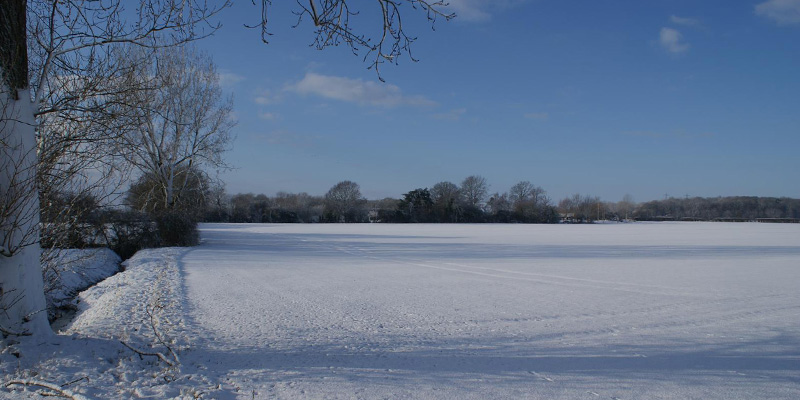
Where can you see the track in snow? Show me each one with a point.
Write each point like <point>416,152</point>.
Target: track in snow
<point>476,311</point>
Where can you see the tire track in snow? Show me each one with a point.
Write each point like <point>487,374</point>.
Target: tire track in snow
<point>673,315</point>
<point>498,274</point>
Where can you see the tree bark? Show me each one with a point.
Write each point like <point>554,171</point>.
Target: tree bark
<point>21,286</point>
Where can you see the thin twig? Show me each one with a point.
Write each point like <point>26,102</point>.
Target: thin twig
<point>47,385</point>
<point>160,356</point>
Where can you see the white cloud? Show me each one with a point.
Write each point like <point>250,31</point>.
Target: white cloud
<point>228,79</point>
<point>479,10</point>
<point>540,116</point>
<point>684,21</point>
<point>784,12</point>
<point>357,91</point>
<point>452,115</point>
<point>267,116</point>
<point>265,98</point>
<point>469,10</point>
<point>672,41</point>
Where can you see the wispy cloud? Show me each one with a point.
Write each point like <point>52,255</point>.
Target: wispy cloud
<point>672,41</point>
<point>357,91</point>
<point>268,116</point>
<point>229,79</point>
<point>783,12</point>
<point>684,21</point>
<point>539,116</point>
<point>452,115</point>
<point>479,10</point>
<point>266,97</point>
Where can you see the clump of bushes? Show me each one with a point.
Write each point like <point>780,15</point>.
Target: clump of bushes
<point>131,231</point>
<point>177,228</point>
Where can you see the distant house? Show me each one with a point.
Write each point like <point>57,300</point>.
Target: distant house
<point>568,218</point>
<point>373,215</point>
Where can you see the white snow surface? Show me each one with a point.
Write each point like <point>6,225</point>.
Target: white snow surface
<point>625,311</point>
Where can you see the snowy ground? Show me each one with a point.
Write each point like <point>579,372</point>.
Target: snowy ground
<point>484,311</point>
<point>69,271</point>
<point>627,311</point>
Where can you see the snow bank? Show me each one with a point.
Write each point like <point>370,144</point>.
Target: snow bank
<point>149,277</point>
<point>89,359</point>
<point>68,271</point>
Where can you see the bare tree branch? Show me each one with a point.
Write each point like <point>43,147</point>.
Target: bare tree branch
<point>58,390</point>
<point>333,27</point>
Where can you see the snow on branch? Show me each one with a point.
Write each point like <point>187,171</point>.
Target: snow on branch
<point>54,390</point>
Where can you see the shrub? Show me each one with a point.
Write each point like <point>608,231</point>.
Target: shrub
<point>129,232</point>
<point>176,228</point>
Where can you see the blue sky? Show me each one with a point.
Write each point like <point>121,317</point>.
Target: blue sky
<point>650,98</point>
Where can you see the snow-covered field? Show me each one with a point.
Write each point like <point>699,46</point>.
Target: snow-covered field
<point>627,311</point>
<point>630,311</point>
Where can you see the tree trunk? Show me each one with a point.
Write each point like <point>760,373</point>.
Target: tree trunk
<point>22,303</point>
<point>21,287</point>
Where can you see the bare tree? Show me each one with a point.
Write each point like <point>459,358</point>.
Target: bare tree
<point>474,189</point>
<point>240,207</point>
<point>446,198</point>
<point>521,191</point>
<point>499,204</point>
<point>76,48</point>
<point>79,35</point>
<point>582,208</point>
<point>530,202</point>
<point>298,207</point>
<point>147,194</point>
<point>75,30</point>
<point>445,192</point>
<point>626,206</point>
<point>344,203</point>
<point>177,126</point>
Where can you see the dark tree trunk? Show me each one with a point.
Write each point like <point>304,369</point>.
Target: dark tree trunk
<point>13,44</point>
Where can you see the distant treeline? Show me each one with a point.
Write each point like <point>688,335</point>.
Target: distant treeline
<point>719,208</point>
<point>470,202</point>
<point>444,202</point>
<point>147,222</point>
<point>150,221</point>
